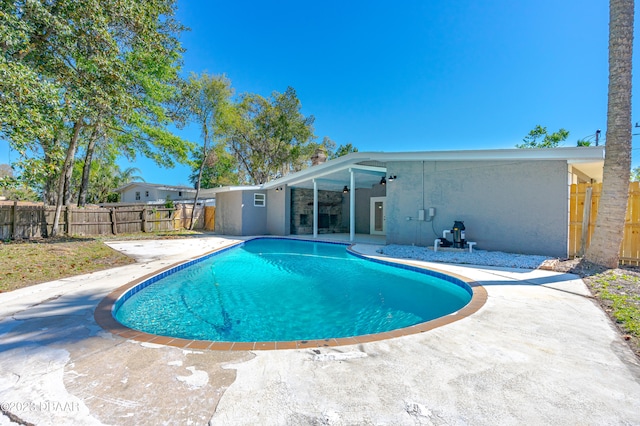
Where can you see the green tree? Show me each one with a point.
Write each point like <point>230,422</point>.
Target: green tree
<point>220,168</point>
<point>12,188</point>
<point>206,99</point>
<point>6,171</point>
<point>608,233</point>
<point>106,177</point>
<point>635,174</point>
<point>272,137</point>
<point>343,150</point>
<point>329,147</point>
<point>64,73</point>
<point>540,138</point>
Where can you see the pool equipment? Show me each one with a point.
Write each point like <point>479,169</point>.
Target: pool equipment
<point>459,240</point>
<point>458,234</point>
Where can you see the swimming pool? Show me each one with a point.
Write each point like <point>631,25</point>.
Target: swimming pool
<point>286,290</point>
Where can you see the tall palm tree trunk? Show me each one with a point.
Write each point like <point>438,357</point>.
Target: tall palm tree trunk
<point>608,233</point>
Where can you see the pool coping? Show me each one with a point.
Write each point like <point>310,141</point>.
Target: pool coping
<point>103,313</point>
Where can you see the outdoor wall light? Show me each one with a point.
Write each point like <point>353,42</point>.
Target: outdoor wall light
<point>392,178</point>
<point>345,190</point>
<point>279,189</point>
<point>383,181</point>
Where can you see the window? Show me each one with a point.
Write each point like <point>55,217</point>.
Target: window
<point>179,193</point>
<point>137,195</point>
<point>259,200</point>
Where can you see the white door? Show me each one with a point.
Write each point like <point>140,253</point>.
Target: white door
<point>378,216</point>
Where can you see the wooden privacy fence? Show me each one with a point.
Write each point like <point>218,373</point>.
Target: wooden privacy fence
<point>28,221</point>
<point>209,218</point>
<point>583,210</point>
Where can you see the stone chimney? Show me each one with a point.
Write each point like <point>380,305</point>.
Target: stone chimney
<point>318,157</point>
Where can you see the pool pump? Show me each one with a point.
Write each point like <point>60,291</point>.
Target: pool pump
<point>459,240</point>
<point>458,234</point>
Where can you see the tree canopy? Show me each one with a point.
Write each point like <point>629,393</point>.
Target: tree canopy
<point>272,137</point>
<point>73,71</point>
<point>343,150</point>
<point>83,84</point>
<point>539,137</point>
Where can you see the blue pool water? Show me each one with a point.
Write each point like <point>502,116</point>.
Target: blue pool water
<point>279,290</point>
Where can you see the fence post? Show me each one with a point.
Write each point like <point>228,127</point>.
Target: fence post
<point>114,224</point>
<point>144,219</point>
<point>67,222</point>
<point>14,211</point>
<point>172,215</point>
<point>586,218</point>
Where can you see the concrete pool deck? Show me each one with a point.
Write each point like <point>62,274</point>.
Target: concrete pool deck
<point>540,351</point>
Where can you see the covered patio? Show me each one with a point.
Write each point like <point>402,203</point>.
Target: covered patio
<point>357,185</point>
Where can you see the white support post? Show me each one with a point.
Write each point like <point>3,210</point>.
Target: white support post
<point>352,206</point>
<point>315,209</point>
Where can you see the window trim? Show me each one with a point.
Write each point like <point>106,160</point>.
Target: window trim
<point>259,200</point>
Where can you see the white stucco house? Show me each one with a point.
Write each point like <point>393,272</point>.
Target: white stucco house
<point>514,200</point>
<point>153,193</point>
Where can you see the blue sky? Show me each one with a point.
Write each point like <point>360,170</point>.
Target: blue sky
<point>409,75</point>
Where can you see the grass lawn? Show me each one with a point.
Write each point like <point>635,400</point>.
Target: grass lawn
<point>33,262</point>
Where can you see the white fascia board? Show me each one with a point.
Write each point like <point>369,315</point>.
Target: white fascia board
<point>594,153</point>
<point>233,188</point>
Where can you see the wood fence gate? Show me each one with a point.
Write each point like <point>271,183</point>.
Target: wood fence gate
<point>583,210</point>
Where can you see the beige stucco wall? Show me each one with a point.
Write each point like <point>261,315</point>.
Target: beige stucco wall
<point>513,206</point>
<point>278,211</point>
<point>228,213</point>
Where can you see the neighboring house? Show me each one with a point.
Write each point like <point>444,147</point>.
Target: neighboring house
<point>513,200</point>
<point>153,193</point>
